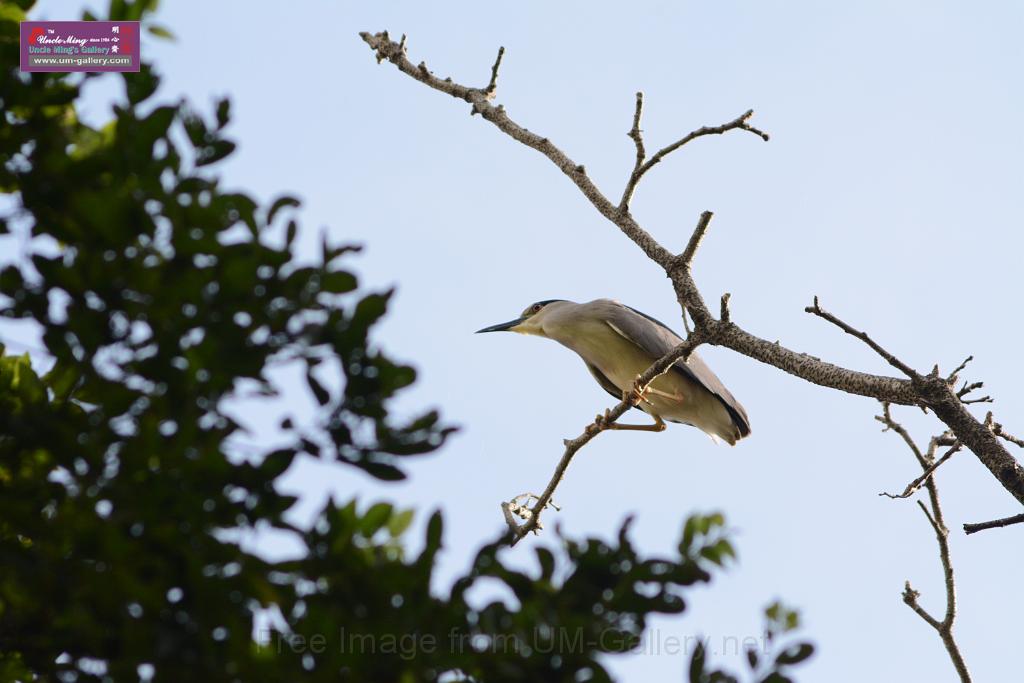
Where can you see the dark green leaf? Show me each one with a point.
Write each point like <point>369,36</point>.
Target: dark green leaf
<point>338,282</point>
<point>795,654</point>
<point>399,522</point>
<point>375,518</point>
<point>161,32</point>
<point>214,152</point>
<point>696,671</point>
<point>280,203</point>
<point>382,471</point>
<point>223,112</point>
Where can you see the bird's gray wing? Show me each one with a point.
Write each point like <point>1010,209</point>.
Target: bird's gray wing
<point>658,339</point>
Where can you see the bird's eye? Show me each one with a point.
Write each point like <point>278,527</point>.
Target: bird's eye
<point>536,308</point>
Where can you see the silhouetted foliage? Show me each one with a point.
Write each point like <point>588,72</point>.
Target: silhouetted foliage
<point>161,296</point>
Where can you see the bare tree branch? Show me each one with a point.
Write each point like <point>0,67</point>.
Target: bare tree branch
<point>994,524</point>
<point>933,512</point>
<point>930,391</point>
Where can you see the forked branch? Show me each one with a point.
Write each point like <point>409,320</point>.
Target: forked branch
<point>741,122</point>
<point>933,512</point>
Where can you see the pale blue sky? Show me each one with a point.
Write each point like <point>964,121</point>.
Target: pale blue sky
<point>891,188</point>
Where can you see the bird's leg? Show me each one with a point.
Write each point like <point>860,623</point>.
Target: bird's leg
<point>658,426</point>
<point>665,394</point>
<point>602,422</point>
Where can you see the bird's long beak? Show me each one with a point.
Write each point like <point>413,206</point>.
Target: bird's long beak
<point>502,327</point>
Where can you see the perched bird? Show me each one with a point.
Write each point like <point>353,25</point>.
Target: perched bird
<point>617,343</point>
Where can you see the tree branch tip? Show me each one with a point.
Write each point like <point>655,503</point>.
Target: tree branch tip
<point>685,259</point>
<point>758,132</point>
<point>492,86</point>
<point>973,528</point>
<point>724,314</point>
<point>742,122</point>
<point>998,430</point>
<point>952,375</point>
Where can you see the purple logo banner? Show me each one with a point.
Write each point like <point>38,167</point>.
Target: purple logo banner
<point>80,46</point>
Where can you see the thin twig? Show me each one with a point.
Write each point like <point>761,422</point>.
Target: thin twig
<point>492,87</point>
<point>637,134</point>
<point>910,597</point>
<point>817,310</point>
<point>994,524</point>
<point>952,376</point>
<point>685,259</point>
<point>891,425</point>
<point>968,388</point>
<point>998,430</point>
<point>913,486</point>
